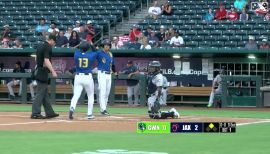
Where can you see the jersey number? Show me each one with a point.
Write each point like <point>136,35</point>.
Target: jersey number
<point>83,62</point>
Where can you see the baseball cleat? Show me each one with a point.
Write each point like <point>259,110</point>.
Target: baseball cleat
<point>104,113</point>
<point>70,115</point>
<point>90,116</point>
<point>176,114</point>
<point>52,116</point>
<point>209,105</point>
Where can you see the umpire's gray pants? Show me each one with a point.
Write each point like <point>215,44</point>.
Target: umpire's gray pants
<point>133,90</point>
<point>42,98</point>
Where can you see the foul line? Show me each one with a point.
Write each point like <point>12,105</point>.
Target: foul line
<point>257,122</point>
<point>38,122</point>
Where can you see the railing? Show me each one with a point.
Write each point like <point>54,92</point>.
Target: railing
<point>53,85</point>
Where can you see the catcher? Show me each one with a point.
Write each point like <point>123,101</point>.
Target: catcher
<point>155,83</point>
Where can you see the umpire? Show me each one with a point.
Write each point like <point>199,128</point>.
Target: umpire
<point>44,66</point>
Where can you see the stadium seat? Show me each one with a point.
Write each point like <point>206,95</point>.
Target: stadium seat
<point>216,32</point>
<point>223,38</point>
<point>209,27</point>
<point>205,44</point>
<point>192,44</point>
<point>198,38</point>
<point>231,44</point>
<point>191,32</point>
<point>210,38</point>
<point>218,44</point>
<point>204,32</point>
<point>236,38</point>
<point>229,32</point>
<point>259,27</point>
<point>254,32</point>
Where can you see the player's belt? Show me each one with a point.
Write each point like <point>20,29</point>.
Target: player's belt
<point>165,87</point>
<point>83,73</point>
<point>106,72</point>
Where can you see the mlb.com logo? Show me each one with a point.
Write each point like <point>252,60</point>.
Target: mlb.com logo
<point>260,7</point>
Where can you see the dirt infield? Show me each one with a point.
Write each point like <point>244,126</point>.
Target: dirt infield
<point>20,121</point>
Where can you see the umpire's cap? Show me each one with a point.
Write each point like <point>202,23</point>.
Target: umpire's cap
<point>84,46</point>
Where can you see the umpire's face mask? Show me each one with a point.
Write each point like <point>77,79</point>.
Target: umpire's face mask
<point>151,69</point>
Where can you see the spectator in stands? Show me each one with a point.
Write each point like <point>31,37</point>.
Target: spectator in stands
<point>147,33</point>
<point>77,26</point>
<point>243,15</point>
<point>5,43</point>
<point>132,85</point>
<point>251,44</point>
<point>116,43</point>
<point>170,34</point>
<point>261,10</point>
<point>267,16</point>
<point>53,29</point>
<point>264,44</point>
<point>7,33</point>
<point>68,32</point>
<point>90,31</point>
<point>166,9</point>
<point>42,28</point>
<point>145,44</point>
<point>221,13</point>
<point>74,40</point>
<point>135,44</point>
<point>233,15</point>
<point>154,10</point>
<point>134,33</point>
<point>240,4</point>
<point>82,33</point>
<point>161,34</point>
<point>209,16</point>
<point>17,43</point>
<point>61,40</point>
<point>177,41</point>
<point>153,40</point>
<point>15,81</point>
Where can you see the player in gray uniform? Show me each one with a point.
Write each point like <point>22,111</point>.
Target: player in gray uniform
<point>155,83</point>
<point>163,96</point>
<point>216,82</point>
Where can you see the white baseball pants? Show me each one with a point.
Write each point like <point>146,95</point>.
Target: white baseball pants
<point>104,86</point>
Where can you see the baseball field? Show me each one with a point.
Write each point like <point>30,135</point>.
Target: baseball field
<point>116,134</point>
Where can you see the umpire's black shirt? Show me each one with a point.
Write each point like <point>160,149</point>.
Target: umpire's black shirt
<point>43,51</point>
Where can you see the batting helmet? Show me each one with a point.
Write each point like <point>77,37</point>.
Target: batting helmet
<point>84,46</point>
<point>153,67</point>
<point>106,42</point>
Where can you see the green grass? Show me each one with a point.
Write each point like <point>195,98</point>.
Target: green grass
<point>247,140</point>
<point>114,110</point>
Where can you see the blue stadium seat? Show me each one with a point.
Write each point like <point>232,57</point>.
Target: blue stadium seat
<point>231,44</point>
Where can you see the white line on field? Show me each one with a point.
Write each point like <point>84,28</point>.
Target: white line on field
<point>250,123</point>
<point>37,122</point>
<point>18,116</point>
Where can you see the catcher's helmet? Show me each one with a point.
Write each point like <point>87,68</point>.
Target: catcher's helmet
<point>153,67</point>
<point>84,46</point>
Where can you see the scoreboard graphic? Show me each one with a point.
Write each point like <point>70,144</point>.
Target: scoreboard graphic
<point>186,127</point>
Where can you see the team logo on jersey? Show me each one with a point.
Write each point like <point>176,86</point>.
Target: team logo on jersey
<point>103,60</point>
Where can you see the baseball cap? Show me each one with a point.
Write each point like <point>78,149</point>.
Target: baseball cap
<point>19,63</point>
<point>250,37</point>
<point>78,22</point>
<point>6,26</point>
<point>264,40</point>
<point>114,38</point>
<point>130,62</point>
<point>162,27</point>
<point>52,37</point>
<point>89,22</point>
